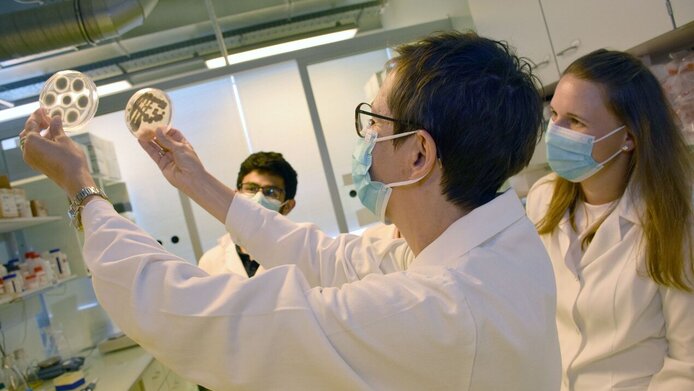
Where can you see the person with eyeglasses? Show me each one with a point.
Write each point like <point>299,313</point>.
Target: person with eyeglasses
<point>268,179</point>
<point>474,309</point>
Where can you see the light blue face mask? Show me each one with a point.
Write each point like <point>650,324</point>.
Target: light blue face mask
<point>570,153</point>
<point>373,195</point>
<point>269,203</point>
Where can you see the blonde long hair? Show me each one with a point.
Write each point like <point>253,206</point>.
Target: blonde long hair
<point>660,168</point>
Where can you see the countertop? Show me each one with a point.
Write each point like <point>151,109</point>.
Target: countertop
<point>115,371</point>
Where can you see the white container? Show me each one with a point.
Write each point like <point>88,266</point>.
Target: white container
<point>31,282</point>
<point>41,277</point>
<point>60,262</point>
<point>13,284</point>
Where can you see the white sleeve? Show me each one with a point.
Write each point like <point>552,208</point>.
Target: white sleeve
<point>273,330</point>
<point>677,373</point>
<point>325,261</point>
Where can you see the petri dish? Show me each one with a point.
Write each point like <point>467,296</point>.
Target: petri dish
<point>148,109</point>
<point>72,95</point>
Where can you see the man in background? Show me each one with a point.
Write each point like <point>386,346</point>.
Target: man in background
<point>268,179</point>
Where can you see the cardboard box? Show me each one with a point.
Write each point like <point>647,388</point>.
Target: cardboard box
<point>8,205</point>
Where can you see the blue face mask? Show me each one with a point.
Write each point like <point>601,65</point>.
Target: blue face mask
<point>269,203</point>
<point>570,153</point>
<point>373,195</point>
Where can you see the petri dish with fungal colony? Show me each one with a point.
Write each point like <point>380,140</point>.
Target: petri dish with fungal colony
<point>148,109</point>
<point>71,95</point>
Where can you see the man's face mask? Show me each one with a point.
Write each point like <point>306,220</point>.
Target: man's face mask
<point>570,153</point>
<point>373,195</point>
<point>267,202</point>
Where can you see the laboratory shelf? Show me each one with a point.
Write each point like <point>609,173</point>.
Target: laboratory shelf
<point>15,224</point>
<point>4,299</point>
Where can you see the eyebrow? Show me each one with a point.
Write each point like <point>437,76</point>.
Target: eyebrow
<point>574,115</point>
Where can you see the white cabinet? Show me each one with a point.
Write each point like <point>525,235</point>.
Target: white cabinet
<point>554,33</point>
<point>520,23</point>
<point>682,11</point>
<point>579,27</point>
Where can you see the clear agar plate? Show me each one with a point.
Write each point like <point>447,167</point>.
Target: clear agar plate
<point>72,95</point>
<point>148,108</point>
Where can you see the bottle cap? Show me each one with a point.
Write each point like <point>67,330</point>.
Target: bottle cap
<point>72,95</point>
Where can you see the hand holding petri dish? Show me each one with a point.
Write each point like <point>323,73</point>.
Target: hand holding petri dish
<point>146,110</point>
<point>71,95</point>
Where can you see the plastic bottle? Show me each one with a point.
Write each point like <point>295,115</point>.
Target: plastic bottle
<point>13,284</point>
<point>41,277</point>
<point>14,380</point>
<point>22,364</point>
<point>31,282</point>
<point>59,259</point>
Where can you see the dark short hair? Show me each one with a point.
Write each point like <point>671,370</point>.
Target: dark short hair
<point>480,104</point>
<point>270,163</point>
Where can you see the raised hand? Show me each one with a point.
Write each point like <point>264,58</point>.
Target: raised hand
<point>54,154</point>
<point>174,155</point>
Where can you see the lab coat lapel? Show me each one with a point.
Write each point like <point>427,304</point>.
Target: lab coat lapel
<point>565,234</point>
<point>232,261</point>
<point>613,229</point>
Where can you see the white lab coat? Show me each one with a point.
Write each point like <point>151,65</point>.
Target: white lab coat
<point>223,258</point>
<point>473,311</point>
<point>618,330</point>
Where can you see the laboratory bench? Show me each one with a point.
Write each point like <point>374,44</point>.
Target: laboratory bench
<point>131,369</point>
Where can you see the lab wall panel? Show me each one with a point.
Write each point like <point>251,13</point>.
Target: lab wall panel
<point>277,119</point>
<point>338,86</point>
<point>209,117</point>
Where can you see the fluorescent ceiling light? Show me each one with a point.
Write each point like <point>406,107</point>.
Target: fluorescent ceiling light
<point>112,88</point>
<point>38,56</point>
<point>281,48</point>
<point>18,111</point>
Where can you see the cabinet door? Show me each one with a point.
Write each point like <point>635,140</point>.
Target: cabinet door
<point>520,23</point>
<point>579,27</point>
<point>683,11</point>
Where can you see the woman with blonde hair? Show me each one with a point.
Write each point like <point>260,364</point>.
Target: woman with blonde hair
<point>616,219</point>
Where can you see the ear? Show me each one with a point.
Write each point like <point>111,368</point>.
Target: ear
<point>424,154</point>
<point>629,143</point>
<point>286,208</point>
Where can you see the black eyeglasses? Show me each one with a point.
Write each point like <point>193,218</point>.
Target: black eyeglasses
<point>273,192</point>
<point>363,119</point>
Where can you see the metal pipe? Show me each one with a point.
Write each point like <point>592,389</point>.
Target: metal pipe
<point>68,23</point>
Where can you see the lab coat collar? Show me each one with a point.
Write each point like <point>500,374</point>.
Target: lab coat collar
<point>627,212</point>
<point>472,230</point>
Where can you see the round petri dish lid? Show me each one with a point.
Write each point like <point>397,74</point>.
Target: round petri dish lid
<point>148,108</point>
<point>72,95</point>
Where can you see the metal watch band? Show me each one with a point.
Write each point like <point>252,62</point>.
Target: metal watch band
<point>75,210</point>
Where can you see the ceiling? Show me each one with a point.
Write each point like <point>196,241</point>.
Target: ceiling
<point>143,41</point>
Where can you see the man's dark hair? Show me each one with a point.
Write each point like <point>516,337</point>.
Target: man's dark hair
<point>270,163</point>
<point>480,104</point>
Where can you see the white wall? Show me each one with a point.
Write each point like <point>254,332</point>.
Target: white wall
<point>338,86</point>
<point>278,119</point>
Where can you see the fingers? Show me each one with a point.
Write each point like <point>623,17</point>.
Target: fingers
<point>56,128</point>
<point>169,139</point>
<point>37,120</point>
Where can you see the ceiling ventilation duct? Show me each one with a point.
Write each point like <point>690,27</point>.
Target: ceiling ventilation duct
<point>68,23</point>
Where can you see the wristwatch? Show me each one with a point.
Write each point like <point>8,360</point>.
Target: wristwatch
<point>75,210</point>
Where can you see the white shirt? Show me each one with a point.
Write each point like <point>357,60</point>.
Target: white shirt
<point>473,311</point>
<point>223,258</point>
<point>618,330</point>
